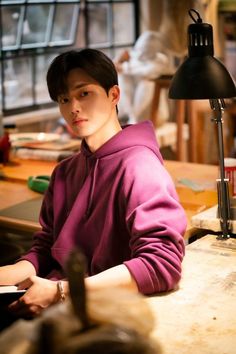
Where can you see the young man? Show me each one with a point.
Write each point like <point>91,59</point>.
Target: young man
<point>114,199</point>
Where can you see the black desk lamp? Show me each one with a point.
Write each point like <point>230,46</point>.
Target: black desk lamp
<point>201,76</point>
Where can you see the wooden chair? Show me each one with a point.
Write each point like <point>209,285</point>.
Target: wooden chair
<point>182,109</point>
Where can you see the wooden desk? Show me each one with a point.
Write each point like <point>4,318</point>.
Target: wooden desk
<point>194,201</point>
<point>14,189</point>
<point>11,194</point>
<point>200,317</point>
<point>19,170</point>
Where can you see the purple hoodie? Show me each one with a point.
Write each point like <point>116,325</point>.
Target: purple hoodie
<point>118,205</point>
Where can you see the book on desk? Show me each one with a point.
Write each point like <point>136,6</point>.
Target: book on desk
<point>55,150</point>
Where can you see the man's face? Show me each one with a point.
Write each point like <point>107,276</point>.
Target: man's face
<point>86,107</point>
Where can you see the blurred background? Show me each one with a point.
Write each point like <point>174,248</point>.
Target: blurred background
<point>33,32</point>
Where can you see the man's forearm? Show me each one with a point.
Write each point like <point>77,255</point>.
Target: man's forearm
<point>118,276</point>
<point>115,276</point>
<point>15,273</point>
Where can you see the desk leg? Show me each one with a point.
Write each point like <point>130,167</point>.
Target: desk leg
<point>180,114</point>
<point>155,105</point>
<point>192,123</point>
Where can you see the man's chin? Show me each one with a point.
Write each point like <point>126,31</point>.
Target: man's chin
<point>81,133</point>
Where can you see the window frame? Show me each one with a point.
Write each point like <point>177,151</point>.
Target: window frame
<point>34,50</point>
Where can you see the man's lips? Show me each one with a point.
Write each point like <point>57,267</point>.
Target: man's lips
<point>79,121</point>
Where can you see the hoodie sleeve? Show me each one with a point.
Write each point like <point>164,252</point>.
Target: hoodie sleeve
<point>156,223</point>
<point>40,253</point>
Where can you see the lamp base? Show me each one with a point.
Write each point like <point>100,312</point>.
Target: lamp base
<point>231,217</point>
<point>232,209</point>
<point>209,220</point>
<point>226,245</point>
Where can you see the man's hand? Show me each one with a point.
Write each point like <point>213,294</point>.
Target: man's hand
<point>40,294</point>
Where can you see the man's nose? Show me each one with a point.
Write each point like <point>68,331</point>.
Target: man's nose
<point>75,106</point>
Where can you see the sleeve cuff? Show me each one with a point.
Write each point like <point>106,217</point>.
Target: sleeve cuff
<point>142,276</point>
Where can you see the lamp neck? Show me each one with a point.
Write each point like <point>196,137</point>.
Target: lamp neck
<point>218,105</point>
<point>200,40</point>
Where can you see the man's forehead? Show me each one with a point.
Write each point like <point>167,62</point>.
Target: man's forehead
<point>77,78</point>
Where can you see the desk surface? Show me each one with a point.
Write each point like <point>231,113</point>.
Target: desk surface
<point>11,194</point>
<point>200,317</point>
<point>20,170</point>
<point>15,174</point>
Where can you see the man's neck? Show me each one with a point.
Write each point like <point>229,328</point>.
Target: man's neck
<point>106,133</point>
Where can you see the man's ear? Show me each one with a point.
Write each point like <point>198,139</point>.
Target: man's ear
<point>115,94</point>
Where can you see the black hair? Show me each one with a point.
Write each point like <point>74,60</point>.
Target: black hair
<point>94,62</point>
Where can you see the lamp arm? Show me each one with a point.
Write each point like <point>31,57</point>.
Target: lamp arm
<point>218,106</point>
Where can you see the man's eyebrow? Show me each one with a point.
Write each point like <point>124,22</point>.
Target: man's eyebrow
<point>78,86</point>
<point>82,84</point>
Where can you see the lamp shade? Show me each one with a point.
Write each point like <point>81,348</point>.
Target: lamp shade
<point>201,75</point>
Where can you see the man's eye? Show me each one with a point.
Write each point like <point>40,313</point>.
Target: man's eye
<point>84,94</point>
<point>63,100</point>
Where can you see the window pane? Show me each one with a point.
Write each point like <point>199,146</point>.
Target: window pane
<point>12,1</point>
<point>106,51</point>
<point>123,13</point>
<point>41,24</point>
<point>42,65</point>
<point>98,24</point>
<point>37,1</point>
<point>65,23</point>
<point>78,1</point>
<point>10,16</point>
<point>35,25</point>
<point>18,82</point>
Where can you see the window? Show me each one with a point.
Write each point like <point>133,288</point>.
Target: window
<point>33,32</point>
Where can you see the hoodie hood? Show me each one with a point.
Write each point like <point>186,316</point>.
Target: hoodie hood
<point>141,134</point>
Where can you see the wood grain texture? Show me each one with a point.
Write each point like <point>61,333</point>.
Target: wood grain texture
<point>200,317</point>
